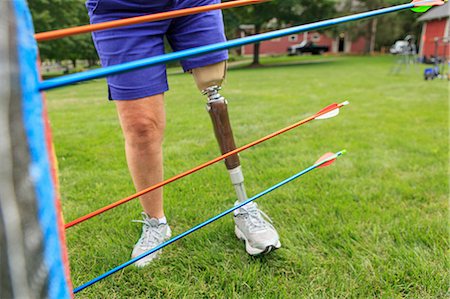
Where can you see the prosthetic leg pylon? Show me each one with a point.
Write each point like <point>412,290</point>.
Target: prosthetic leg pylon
<point>209,80</point>
<point>251,224</point>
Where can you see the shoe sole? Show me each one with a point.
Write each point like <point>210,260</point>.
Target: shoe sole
<point>252,250</point>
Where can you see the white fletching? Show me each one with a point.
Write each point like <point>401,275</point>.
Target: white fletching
<point>330,114</point>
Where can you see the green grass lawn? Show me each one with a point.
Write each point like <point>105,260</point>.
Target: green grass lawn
<point>375,224</point>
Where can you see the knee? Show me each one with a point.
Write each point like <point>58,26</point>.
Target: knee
<point>145,133</point>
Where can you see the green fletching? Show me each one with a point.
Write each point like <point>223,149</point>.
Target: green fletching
<point>421,9</point>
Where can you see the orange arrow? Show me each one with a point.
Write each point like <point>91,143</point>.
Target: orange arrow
<point>317,115</point>
<point>49,35</point>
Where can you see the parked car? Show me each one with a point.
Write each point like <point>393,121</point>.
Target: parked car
<point>307,47</point>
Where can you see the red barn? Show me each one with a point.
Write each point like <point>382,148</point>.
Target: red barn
<point>435,32</point>
<point>338,44</point>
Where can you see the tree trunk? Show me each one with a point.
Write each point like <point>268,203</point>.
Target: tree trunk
<point>256,48</point>
<point>256,54</point>
<point>373,35</point>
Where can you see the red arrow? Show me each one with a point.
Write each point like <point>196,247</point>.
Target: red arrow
<point>330,110</point>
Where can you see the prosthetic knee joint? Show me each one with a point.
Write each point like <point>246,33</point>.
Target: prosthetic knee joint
<point>209,80</point>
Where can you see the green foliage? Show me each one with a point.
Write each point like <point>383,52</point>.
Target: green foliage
<point>389,27</point>
<point>373,225</point>
<point>231,20</point>
<point>280,13</point>
<point>291,12</point>
<point>395,26</point>
<point>57,14</point>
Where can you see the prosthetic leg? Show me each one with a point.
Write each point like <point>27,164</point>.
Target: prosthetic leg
<point>209,80</point>
<point>250,222</point>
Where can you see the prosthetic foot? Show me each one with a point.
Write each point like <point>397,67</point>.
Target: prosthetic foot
<point>251,227</point>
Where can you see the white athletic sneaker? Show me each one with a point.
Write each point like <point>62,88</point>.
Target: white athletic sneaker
<point>258,234</point>
<point>153,234</point>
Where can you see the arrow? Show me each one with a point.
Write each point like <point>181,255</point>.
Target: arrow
<point>174,56</point>
<point>422,6</point>
<point>325,160</point>
<point>330,109</point>
<point>54,34</point>
<point>60,33</point>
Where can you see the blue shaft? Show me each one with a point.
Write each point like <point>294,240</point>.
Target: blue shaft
<point>199,226</point>
<point>162,59</point>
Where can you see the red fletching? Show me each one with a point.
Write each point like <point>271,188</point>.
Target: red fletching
<point>328,109</point>
<point>197,168</point>
<point>325,157</point>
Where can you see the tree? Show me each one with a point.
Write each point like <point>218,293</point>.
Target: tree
<point>394,26</point>
<point>56,14</point>
<point>280,13</point>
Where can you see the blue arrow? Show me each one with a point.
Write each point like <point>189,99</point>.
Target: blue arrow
<point>162,59</point>
<point>325,160</point>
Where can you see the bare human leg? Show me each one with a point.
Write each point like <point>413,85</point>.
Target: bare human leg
<point>143,122</point>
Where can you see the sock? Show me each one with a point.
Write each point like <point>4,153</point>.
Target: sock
<point>162,220</point>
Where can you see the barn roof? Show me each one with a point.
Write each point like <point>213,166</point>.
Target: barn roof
<point>438,12</point>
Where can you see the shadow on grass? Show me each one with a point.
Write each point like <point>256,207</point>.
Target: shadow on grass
<point>281,64</point>
<point>247,65</point>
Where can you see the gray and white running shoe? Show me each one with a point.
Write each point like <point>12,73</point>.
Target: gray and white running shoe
<point>258,233</point>
<point>153,234</point>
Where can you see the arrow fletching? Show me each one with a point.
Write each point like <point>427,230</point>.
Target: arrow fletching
<point>330,111</point>
<point>328,159</point>
<point>422,6</point>
<point>421,9</point>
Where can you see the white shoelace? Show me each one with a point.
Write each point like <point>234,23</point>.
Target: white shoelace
<point>151,235</point>
<point>256,219</point>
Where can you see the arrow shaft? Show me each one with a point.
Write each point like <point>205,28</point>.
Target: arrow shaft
<point>203,224</point>
<point>175,56</point>
<point>54,34</point>
<point>195,169</point>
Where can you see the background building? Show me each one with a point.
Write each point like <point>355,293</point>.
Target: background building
<point>278,46</point>
<point>435,32</point>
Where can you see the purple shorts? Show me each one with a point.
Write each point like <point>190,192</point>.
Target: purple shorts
<point>124,44</point>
